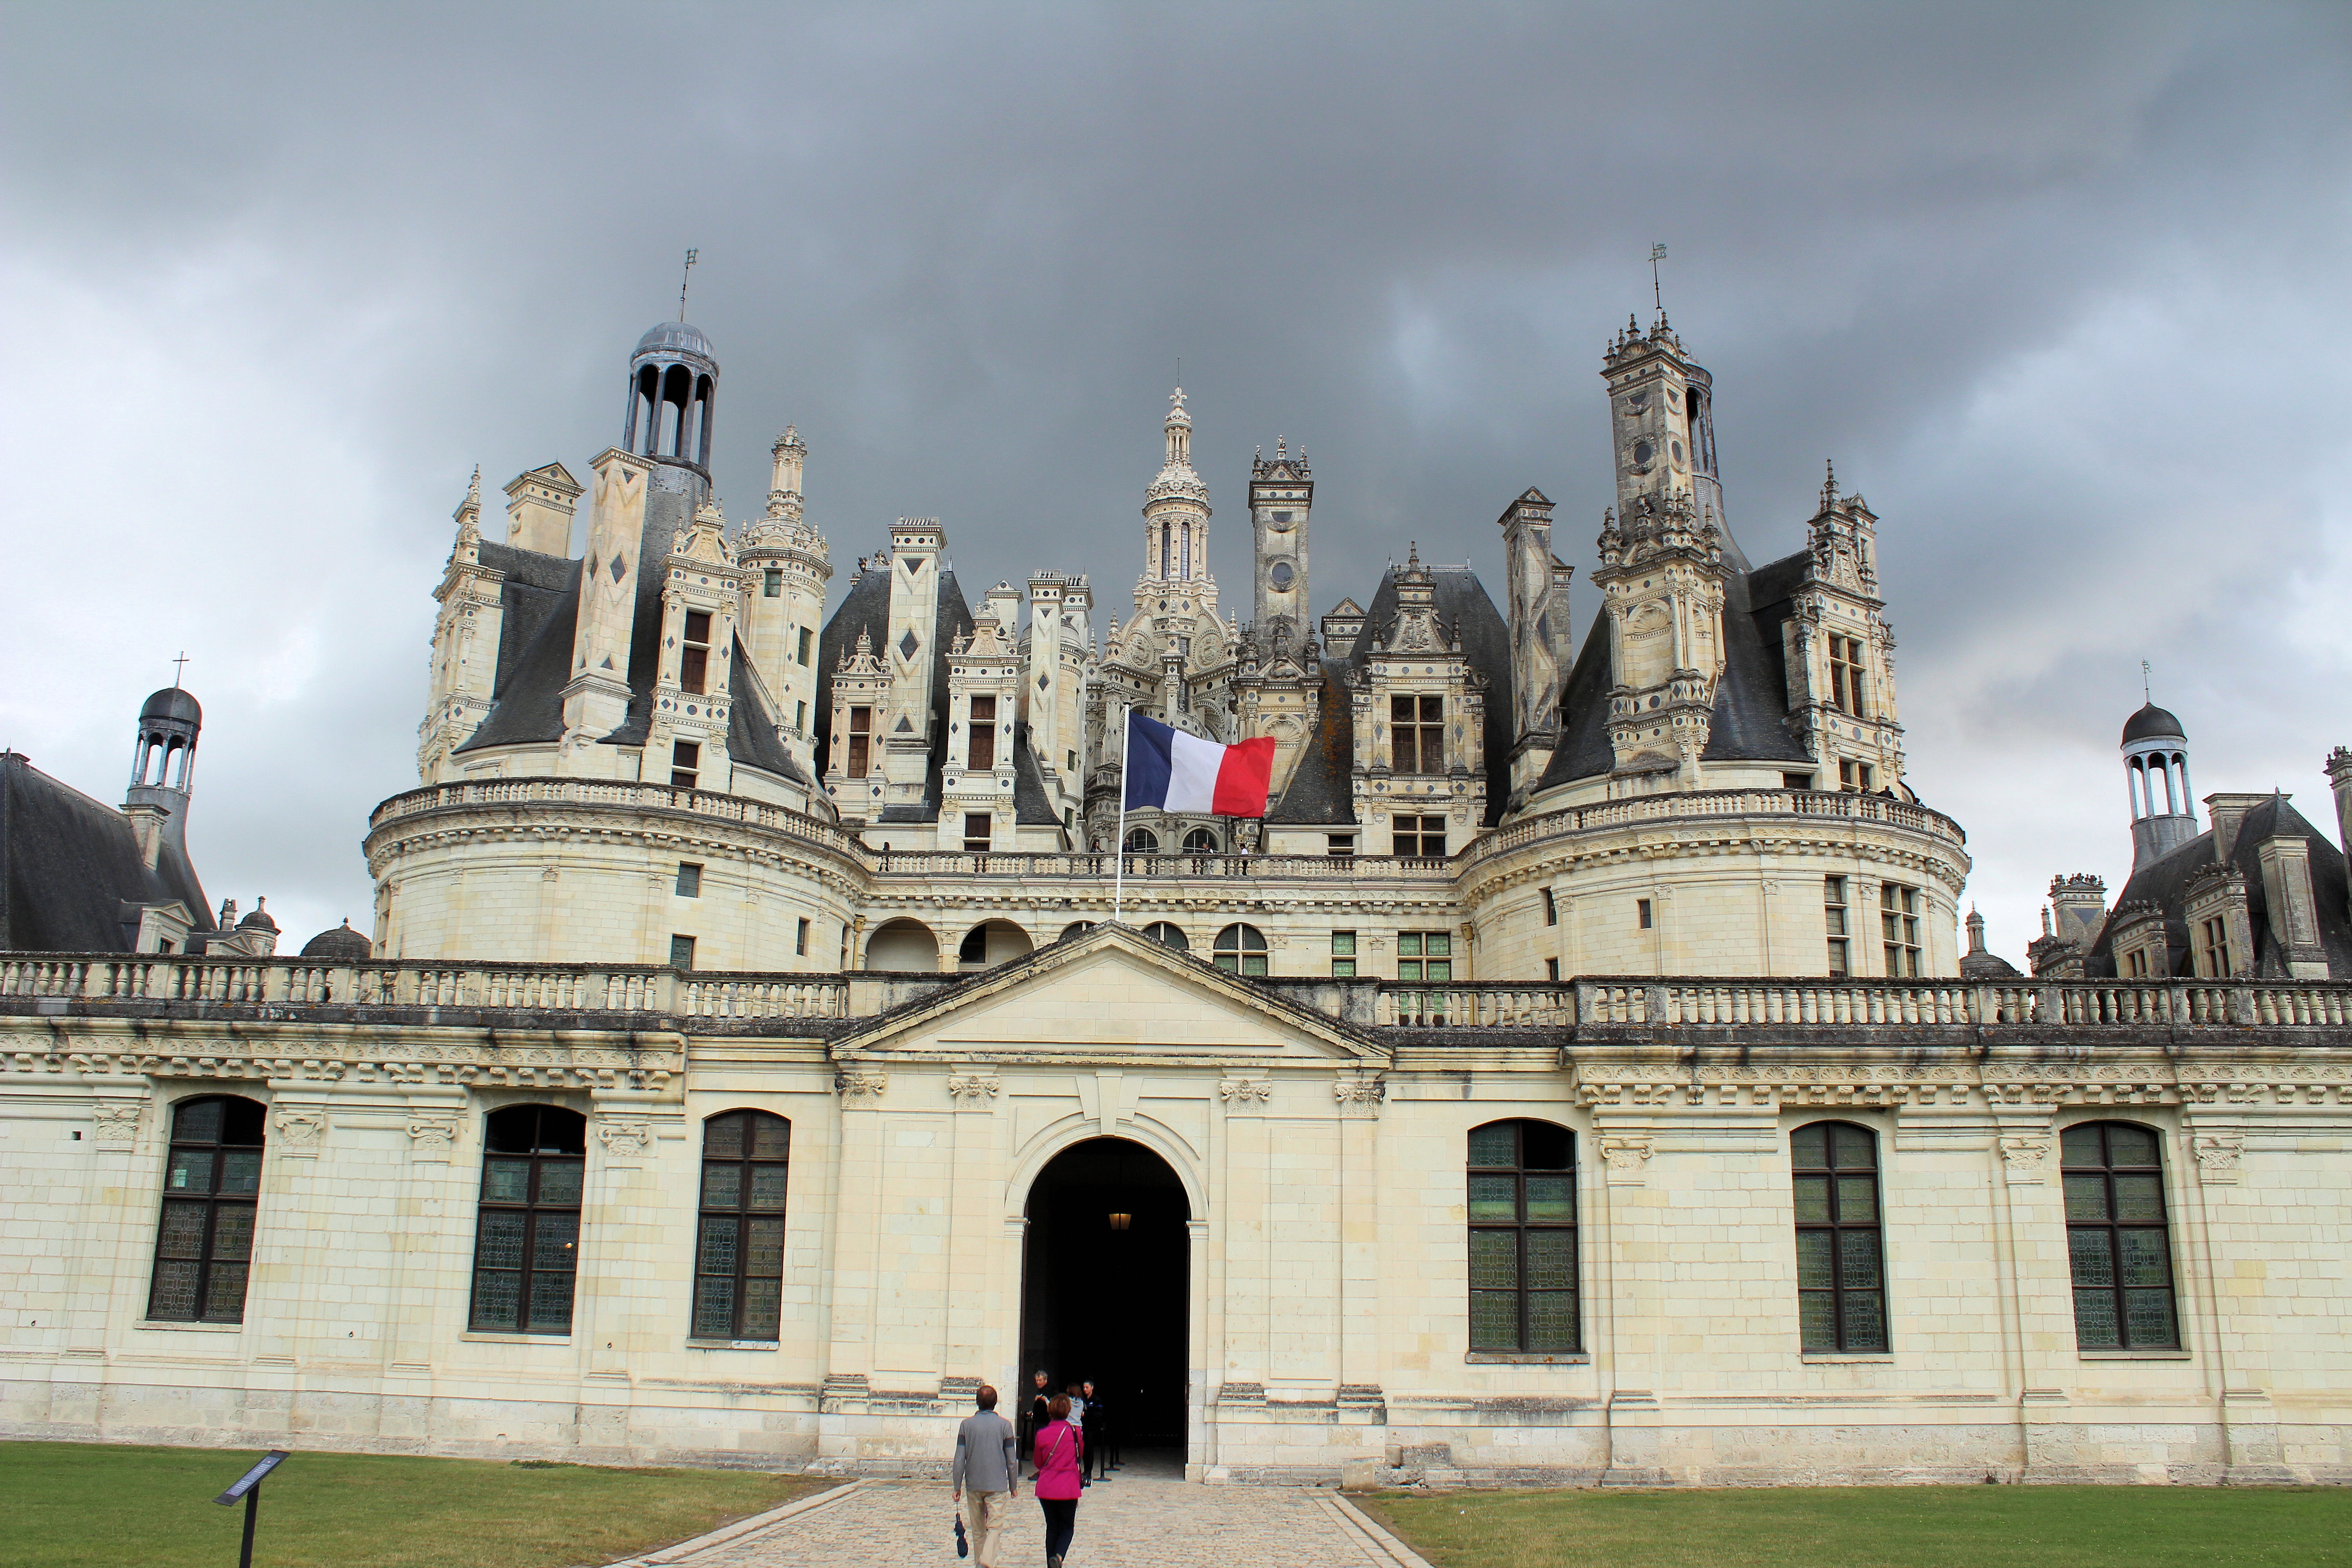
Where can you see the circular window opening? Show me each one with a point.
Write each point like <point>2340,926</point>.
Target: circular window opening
<point>1282,576</point>
<point>1240,950</point>
<point>1641,453</point>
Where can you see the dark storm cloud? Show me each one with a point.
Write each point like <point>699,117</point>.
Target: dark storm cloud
<point>2059,287</point>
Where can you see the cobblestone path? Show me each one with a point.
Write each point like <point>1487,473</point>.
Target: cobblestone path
<point>1133,1521</point>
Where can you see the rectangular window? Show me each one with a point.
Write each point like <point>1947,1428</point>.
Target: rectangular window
<point>2136,963</point>
<point>803,656</point>
<point>1642,914</point>
<point>1073,760</point>
<point>685,763</point>
<point>800,940</point>
<point>690,880</point>
<point>526,1226</point>
<point>1339,845</point>
<point>681,953</point>
<point>861,742</point>
<point>1796,780</point>
<point>1343,955</point>
<point>1833,916</point>
<point>2215,961</point>
<point>1551,970</point>
<point>1550,909</point>
<point>2117,1237</point>
<point>1845,675</point>
<point>1423,835</point>
<point>1522,1210</point>
<point>772,584</point>
<point>984,735</point>
<point>975,831</point>
<point>694,664</point>
<point>800,717</point>
<point>211,1183</point>
<point>1840,1278</point>
<point>1898,922</point>
<point>739,1269</point>
<point>1417,734</point>
<point>1855,778</point>
<point>1426,956</point>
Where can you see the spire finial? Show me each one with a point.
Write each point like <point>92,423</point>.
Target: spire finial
<point>2143,689</point>
<point>474,486</point>
<point>176,667</point>
<point>1657,298</point>
<point>1829,484</point>
<point>683,278</point>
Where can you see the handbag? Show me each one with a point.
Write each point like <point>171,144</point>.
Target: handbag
<point>963,1547</point>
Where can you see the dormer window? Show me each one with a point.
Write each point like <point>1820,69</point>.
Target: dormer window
<point>982,754</point>
<point>694,664</point>
<point>772,585</point>
<point>1855,778</point>
<point>685,763</point>
<point>1845,675</point>
<point>861,741</point>
<point>1417,734</point>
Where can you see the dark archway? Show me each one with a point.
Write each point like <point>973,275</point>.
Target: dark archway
<point>1105,1301</point>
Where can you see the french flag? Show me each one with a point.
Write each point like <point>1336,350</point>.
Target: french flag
<point>1168,770</point>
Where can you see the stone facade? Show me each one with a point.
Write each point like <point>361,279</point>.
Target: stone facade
<point>1647,936</point>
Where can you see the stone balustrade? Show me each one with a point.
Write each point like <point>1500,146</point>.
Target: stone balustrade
<point>290,987</point>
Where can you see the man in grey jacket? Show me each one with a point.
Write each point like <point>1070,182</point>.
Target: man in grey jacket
<point>986,1462</point>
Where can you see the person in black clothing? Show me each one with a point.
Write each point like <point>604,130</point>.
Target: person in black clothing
<point>1098,1430</point>
<point>1039,1414</point>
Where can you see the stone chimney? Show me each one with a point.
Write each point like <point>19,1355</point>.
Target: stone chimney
<point>2078,905</point>
<point>147,826</point>
<point>2228,814</point>
<point>2293,914</point>
<point>2339,774</point>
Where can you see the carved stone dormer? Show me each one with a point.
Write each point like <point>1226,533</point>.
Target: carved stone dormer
<point>1661,578</point>
<point>861,700</point>
<point>1419,712</point>
<point>2135,937</point>
<point>1839,650</point>
<point>2220,928</point>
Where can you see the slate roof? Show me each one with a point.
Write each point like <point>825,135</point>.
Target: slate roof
<point>2151,720</point>
<point>867,607</point>
<point>1751,700</point>
<point>2164,881</point>
<point>71,878</point>
<point>1321,789</point>
<point>541,600</point>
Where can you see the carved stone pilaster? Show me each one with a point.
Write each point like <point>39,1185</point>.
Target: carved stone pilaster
<point>297,1133</point>
<point>974,1092</point>
<point>114,1125</point>
<point>856,1086</point>
<point>2024,1158</point>
<point>432,1138</point>
<point>1627,1156</point>
<point>1243,1093</point>
<point>1360,1096</point>
<point>625,1140</point>
<point>2217,1157</point>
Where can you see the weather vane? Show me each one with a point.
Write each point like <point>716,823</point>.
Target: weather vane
<point>176,667</point>
<point>682,281</point>
<point>1657,254</point>
<point>2144,690</point>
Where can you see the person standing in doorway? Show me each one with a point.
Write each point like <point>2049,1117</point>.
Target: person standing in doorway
<point>988,1465</point>
<point>1097,1427</point>
<point>1060,1453</point>
<point>1033,1419</point>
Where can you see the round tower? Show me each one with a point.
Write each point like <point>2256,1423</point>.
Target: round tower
<point>2156,777</point>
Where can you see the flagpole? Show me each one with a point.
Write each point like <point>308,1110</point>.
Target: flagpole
<point>1119,842</point>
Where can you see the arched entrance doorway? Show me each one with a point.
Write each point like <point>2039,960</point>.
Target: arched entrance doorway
<point>1104,1284</point>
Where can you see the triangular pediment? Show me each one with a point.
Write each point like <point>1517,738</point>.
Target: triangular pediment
<point>1111,994</point>
<point>1346,607</point>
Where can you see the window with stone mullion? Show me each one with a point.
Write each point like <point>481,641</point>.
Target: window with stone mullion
<point>203,1237</point>
<point>1840,1269</point>
<point>738,1271</point>
<point>2117,1237</point>
<point>1522,1192</point>
<point>527,1230</point>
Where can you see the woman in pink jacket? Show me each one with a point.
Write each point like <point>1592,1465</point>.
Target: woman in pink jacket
<point>1061,1466</point>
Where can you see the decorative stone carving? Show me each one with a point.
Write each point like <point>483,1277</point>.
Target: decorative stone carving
<point>432,1138</point>
<point>116,1127</point>
<point>1360,1096</point>
<point>2217,1157</point>
<point>1627,1155</point>
<point>852,1084</point>
<point>973,1092</point>
<point>297,1132</point>
<point>1246,1092</point>
<point>626,1142</point>
<point>2023,1158</point>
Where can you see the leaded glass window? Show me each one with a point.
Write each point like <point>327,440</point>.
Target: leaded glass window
<point>1240,950</point>
<point>2117,1237</point>
<point>1840,1269</point>
<point>212,1187</point>
<point>1522,1184</point>
<point>526,1232</point>
<point>738,1270</point>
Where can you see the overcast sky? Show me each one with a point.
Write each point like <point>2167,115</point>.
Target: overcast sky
<point>2062,289</point>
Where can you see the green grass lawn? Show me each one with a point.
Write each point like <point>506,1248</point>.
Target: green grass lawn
<point>1878,1527</point>
<point>73,1504</point>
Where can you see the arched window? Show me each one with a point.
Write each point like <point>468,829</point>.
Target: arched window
<point>1523,1237</point>
<point>1841,1276</point>
<point>527,1233</point>
<point>1172,936</point>
<point>1142,841</point>
<point>1242,949</point>
<point>1200,841</point>
<point>1075,928</point>
<point>2116,1235</point>
<point>212,1185</point>
<point>738,1271</point>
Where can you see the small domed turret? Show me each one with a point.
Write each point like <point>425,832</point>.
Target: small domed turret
<point>2156,771</point>
<point>342,943</point>
<point>259,919</point>
<point>2150,722</point>
<point>673,379</point>
<point>172,703</point>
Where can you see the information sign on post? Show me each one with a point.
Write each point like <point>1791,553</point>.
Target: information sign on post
<point>248,1487</point>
